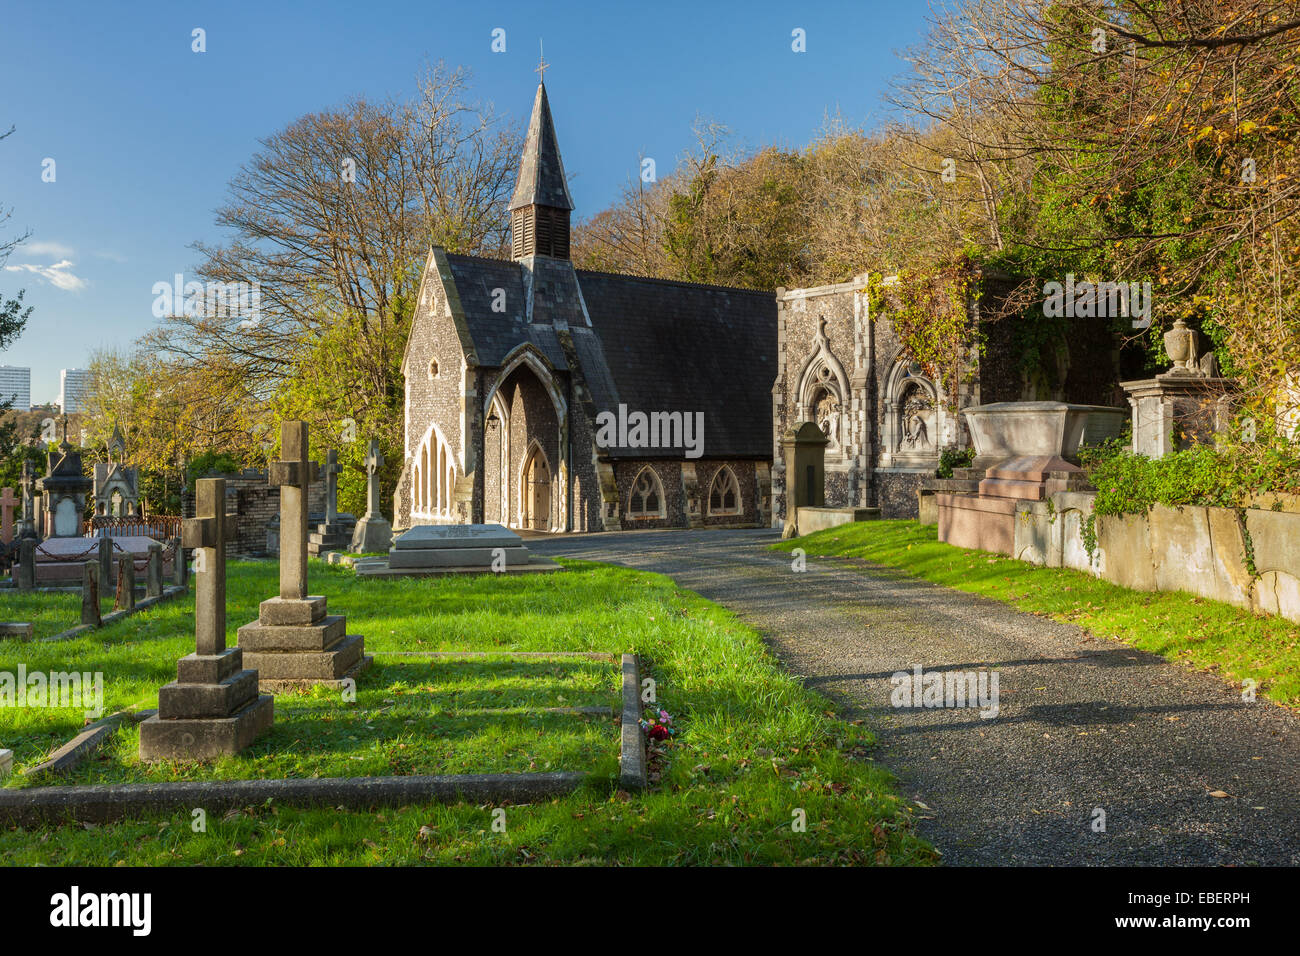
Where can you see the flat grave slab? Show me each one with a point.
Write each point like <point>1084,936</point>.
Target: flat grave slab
<point>438,536</point>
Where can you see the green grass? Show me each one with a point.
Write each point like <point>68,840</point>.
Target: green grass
<point>1207,635</point>
<point>48,612</point>
<point>754,746</point>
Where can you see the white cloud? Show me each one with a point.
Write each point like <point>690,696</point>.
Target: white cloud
<point>58,275</point>
<point>33,249</point>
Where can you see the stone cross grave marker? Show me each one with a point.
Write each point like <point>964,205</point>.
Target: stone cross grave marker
<point>7,504</point>
<point>207,534</point>
<point>213,707</point>
<point>373,532</point>
<point>294,642</point>
<point>293,474</point>
<point>374,461</point>
<point>331,473</point>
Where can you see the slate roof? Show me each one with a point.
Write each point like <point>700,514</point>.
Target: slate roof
<point>495,334</point>
<point>541,172</point>
<point>677,346</point>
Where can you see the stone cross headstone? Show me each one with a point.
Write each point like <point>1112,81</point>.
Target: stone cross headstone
<point>206,533</point>
<point>294,642</point>
<point>125,599</point>
<point>331,473</point>
<point>90,594</point>
<point>293,473</point>
<point>7,504</point>
<point>373,532</point>
<point>213,707</point>
<point>153,577</point>
<point>374,461</point>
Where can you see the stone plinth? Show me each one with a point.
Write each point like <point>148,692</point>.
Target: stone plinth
<point>211,709</point>
<point>296,641</point>
<point>372,535</point>
<point>981,524</point>
<point>1173,411</point>
<point>333,535</point>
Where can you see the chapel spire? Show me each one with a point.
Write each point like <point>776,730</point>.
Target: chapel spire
<point>541,204</point>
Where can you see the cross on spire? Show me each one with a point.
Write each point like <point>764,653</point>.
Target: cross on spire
<point>541,63</point>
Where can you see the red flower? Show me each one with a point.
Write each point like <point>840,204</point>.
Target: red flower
<point>658,732</point>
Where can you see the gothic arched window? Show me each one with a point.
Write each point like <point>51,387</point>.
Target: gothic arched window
<point>647,499</point>
<point>724,493</point>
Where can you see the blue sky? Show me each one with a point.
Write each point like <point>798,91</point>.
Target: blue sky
<point>145,133</point>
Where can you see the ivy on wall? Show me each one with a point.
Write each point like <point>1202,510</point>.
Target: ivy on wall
<point>933,316</point>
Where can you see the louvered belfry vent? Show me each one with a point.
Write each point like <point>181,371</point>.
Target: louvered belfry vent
<point>541,204</point>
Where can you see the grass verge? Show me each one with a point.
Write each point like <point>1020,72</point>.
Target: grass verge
<point>1208,635</point>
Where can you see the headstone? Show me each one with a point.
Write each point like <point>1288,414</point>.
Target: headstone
<point>213,707</point>
<point>335,532</point>
<point>27,526</point>
<point>105,545</point>
<point>180,568</point>
<point>26,571</point>
<point>125,599</point>
<point>90,594</point>
<point>293,641</point>
<point>373,532</point>
<point>153,578</point>
<point>7,505</point>
<point>6,763</point>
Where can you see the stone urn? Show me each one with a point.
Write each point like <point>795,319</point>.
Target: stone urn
<point>1181,343</point>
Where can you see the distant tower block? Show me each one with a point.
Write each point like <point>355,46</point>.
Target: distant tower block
<point>293,642</point>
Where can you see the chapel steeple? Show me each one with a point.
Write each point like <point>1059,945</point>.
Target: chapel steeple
<point>541,204</point>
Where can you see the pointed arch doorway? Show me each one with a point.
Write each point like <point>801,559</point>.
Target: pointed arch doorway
<point>536,488</point>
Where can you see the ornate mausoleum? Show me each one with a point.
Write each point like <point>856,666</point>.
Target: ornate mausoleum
<point>887,421</point>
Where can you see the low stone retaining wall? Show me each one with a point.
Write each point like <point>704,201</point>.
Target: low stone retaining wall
<point>809,519</point>
<point>1206,551</point>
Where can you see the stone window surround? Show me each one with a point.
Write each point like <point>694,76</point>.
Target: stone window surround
<point>632,510</point>
<point>724,474</point>
<point>434,477</point>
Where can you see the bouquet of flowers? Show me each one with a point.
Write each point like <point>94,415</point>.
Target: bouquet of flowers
<point>657,724</point>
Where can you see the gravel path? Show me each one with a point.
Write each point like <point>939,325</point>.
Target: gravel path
<point>1084,722</point>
